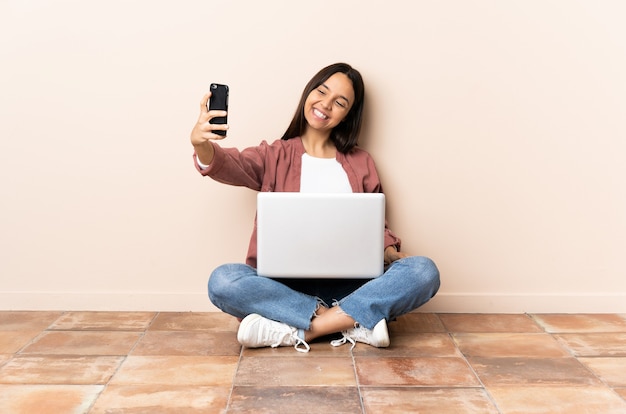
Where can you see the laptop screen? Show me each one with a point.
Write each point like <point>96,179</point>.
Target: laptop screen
<point>320,235</point>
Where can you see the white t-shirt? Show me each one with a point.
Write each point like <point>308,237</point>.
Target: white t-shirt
<point>323,175</point>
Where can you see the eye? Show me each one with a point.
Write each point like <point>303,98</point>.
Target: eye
<point>321,92</point>
<point>341,104</point>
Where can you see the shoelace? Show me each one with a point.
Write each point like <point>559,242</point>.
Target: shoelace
<point>292,334</point>
<point>302,342</point>
<point>341,341</point>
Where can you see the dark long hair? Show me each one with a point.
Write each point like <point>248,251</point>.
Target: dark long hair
<point>345,136</point>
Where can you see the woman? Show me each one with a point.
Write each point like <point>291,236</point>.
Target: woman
<point>317,153</point>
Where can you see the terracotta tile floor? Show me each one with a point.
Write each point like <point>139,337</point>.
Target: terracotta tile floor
<point>150,362</point>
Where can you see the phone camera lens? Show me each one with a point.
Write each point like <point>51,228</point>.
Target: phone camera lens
<point>213,86</point>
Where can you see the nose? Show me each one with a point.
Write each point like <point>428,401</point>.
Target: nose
<point>327,102</point>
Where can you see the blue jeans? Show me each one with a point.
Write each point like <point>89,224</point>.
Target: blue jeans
<point>407,284</point>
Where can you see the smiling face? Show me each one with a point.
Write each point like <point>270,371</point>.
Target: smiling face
<point>328,104</point>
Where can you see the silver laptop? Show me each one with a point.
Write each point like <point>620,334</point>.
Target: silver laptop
<point>315,235</point>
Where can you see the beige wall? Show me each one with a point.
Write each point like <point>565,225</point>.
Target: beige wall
<point>497,126</point>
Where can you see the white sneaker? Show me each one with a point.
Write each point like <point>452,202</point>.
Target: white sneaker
<point>378,337</point>
<point>256,331</point>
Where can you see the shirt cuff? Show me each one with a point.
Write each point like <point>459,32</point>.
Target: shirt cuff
<point>203,166</point>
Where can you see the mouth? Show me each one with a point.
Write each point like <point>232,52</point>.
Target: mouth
<point>319,114</point>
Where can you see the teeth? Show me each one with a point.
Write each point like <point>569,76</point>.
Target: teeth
<point>319,114</point>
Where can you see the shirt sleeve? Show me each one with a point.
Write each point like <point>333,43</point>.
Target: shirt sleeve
<point>202,166</point>
<point>236,167</point>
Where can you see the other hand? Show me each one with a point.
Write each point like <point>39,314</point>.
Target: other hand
<point>391,255</point>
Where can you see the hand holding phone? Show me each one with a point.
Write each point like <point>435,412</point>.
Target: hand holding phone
<point>219,102</point>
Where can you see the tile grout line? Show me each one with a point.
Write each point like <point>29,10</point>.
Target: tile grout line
<point>18,353</point>
<point>483,387</point>
<point>124,358</point>
<point>38,336</point>
<point>455,335</point>
<point>358,383</point>
<point>572,353</point>
<point>555,335</point>
<point>232,383</point>
<point>532,317</point>
<point>569,352</point>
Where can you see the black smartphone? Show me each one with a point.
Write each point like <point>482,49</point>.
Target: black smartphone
<point>218,101</point>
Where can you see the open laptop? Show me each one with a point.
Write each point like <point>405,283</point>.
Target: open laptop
<point>316,235</point>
